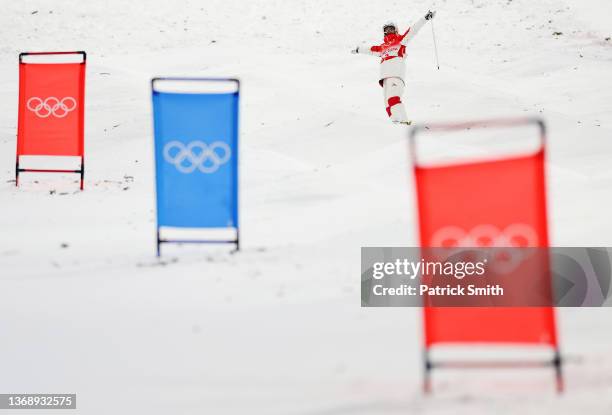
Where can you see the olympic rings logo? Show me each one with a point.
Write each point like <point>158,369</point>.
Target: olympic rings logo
<point>197,155</point>
<point>517,235</point>
<point>59,108</point>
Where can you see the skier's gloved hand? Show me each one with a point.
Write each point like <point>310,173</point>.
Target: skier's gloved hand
<point>430,15</point>
<point>356,50</point>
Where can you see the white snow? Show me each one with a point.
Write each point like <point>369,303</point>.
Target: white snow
<point>278,329</point>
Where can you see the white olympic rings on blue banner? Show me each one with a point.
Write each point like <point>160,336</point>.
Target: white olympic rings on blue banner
<point>207,158</point>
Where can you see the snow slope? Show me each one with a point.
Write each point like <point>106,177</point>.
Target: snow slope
<point>278,329</point>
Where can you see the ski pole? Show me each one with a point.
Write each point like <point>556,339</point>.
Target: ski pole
<point>433,33</point>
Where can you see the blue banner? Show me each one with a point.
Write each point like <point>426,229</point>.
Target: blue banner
<point>196,159</point>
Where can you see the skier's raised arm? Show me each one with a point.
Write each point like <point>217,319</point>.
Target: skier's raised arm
<point>374,50</point>
<point>414,29</point>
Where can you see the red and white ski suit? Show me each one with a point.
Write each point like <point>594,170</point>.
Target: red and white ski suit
<point>393,68</point>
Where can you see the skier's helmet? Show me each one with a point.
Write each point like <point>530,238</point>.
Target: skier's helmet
<point>389,28</point>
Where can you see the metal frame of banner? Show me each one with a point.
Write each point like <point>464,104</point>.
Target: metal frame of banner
<point>80,171</point>
<point>235,241</point>
<point>428,365</point>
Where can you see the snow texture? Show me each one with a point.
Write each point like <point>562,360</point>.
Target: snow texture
<point>86,308</point>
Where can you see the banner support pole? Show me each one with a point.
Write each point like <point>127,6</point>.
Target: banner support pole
<point>557,362</point>
<point>17,171</point>
<point>427,366</point>
<point>158,244</point>
<point>82,170</point>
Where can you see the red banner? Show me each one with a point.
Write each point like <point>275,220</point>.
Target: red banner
<point>490,203</point>
<point>493,203</point>
<point>51,109</point>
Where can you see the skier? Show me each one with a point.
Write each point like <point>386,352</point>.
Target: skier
<point>392,66</point>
